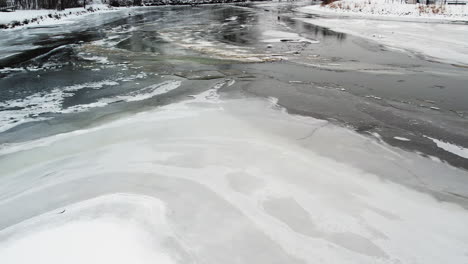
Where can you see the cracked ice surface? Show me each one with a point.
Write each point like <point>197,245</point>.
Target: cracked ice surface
<point>226,181</point>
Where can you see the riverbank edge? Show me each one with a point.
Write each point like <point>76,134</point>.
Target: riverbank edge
<point>55,16</point>
<point>327,11</point>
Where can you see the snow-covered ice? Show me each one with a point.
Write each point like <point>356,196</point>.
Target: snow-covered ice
<point>92,231</point>
<point>231,181</point>
<point>30,108</point>
<point>35,106</point>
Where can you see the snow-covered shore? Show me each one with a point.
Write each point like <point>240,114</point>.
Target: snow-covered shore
<point>47,17</point>
<point>389,9</point>
<point>21,18</point>
<point>438,39</point>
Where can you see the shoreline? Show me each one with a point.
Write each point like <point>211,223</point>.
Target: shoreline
<point>425,18</point>
<point>439,41</point>
<point>51,16</point>
<point>25,18</point>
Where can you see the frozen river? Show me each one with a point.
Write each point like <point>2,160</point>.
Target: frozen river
<point>227,134</point>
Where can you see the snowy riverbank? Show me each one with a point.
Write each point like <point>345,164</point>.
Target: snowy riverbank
<point>47,17</point>
<point>438,40</point>
<point>390,9</point>
<point>21,18</point>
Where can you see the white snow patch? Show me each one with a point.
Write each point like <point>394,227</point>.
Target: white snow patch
<point>151,91</point>
<point>233,18</point>
<point>9,70</point>
<point>98,59</point>
<point>402,138</point>
<point>455,149</point>
<point>92,231</point>
<point>231,82</point>
<point>377,135</point>
<point>373,97</point>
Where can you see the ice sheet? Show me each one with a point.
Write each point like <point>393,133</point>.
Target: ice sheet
<point>240,181</point>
